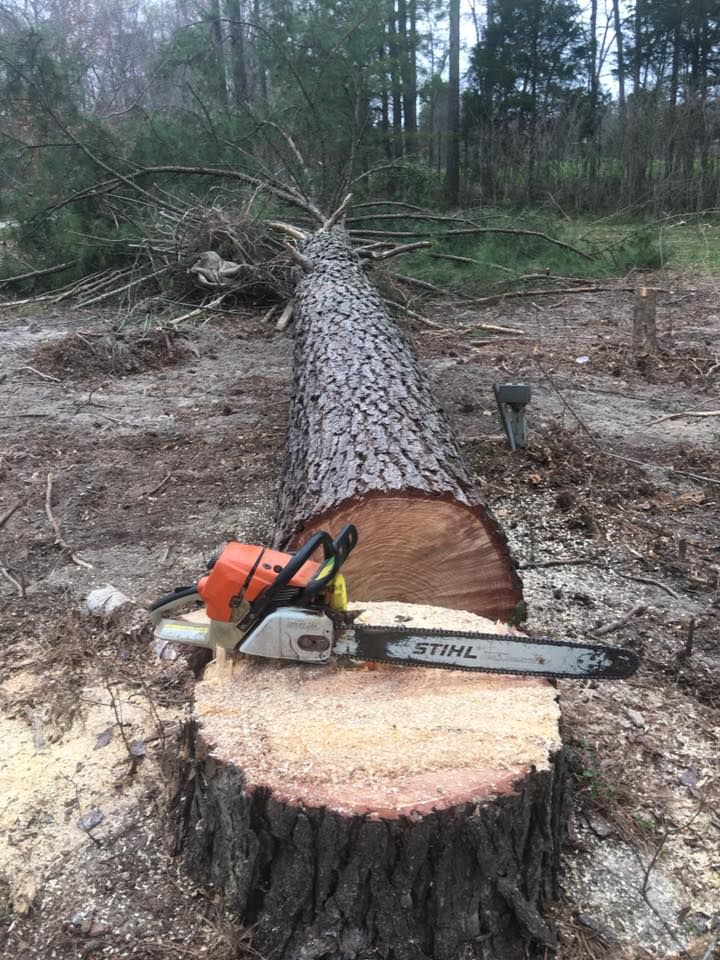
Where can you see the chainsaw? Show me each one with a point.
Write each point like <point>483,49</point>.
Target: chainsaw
<point>265,603</point>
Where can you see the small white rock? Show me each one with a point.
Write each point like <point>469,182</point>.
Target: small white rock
<point>105,600</point>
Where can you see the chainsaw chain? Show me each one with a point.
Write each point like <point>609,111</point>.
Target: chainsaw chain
<point>438,632</point>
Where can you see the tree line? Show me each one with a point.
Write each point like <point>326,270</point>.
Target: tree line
<point>590,109</point>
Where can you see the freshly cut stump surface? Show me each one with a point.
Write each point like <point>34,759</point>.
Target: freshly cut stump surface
<point>405,813</point>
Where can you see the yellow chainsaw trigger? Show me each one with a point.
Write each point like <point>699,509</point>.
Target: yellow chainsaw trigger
<point>337,593</point>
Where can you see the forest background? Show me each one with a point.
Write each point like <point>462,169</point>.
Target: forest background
<point>596,123</point>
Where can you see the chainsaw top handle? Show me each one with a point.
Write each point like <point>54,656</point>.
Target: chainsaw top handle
<point>335,554</point>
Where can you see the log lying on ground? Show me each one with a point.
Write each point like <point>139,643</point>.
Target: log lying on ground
<point>404,813</point>
<point>369,444</point>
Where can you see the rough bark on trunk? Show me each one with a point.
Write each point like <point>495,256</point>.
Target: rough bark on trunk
<point>369,444</point>
<point>388,814</point>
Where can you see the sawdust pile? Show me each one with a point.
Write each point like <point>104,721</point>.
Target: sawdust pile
<point>388,741</point>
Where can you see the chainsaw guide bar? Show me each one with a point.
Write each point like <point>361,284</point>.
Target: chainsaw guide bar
<point>490,653</point>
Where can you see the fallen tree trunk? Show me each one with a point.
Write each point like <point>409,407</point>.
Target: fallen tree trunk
<point>369,444</point>
<point>387,814</point>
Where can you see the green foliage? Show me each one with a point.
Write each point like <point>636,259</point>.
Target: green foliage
<point>530,58</point>
<point>596,786</point>
<point>408,181</point>
<point>505,261</point>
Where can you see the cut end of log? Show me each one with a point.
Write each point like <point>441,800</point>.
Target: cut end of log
<point>419,549</point>
<point>386,743</point>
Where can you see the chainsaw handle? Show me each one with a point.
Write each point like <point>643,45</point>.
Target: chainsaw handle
<point>337,551</point>
<point>344,542</point>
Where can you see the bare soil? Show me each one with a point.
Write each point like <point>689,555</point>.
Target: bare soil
<point>157,460</point>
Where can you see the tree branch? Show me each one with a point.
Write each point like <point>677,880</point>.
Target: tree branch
<point>58,268</point>
<point>371,254</point>
<point>472,231</point>
<point>338,215</point>
<point>107,186</point>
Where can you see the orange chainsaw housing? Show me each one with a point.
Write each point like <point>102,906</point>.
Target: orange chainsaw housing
<point>232,572</point>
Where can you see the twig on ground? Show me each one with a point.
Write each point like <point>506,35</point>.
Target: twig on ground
<point>38,273</point>
<point>687,650</point>
<point>651,582</point>
<point>636,611</point>
<point>411,313</point>
<point>45,376</point>
<point>489,341</point>
<point>9,512</point>
<point>270,314</point>
<point>493,327</point>
<point>679,416</point>
<point>118,718</point>
<point>56,527</point>
<point>286,317</point>
<point>420,284</point>
<point>195,313</point>
<point>19,586</point>
<point>567,562</point>
<point>158,487</point>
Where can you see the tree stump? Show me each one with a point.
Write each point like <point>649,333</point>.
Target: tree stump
<point>368,444</point>
<point>398,813</point>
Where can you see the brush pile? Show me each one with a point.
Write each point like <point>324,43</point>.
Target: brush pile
<point>157,276</point>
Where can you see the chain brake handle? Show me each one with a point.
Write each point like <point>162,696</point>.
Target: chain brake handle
<point>335,553</point>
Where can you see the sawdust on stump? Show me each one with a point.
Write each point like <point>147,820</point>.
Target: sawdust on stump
<point>387,741</point>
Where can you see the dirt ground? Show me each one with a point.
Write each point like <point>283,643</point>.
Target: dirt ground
<point>149,451</point>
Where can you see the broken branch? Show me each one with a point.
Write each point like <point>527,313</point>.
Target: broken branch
<point>688,413</point>
<point>636,611</point>
<point>286,317</point>
<point>300,259</point>
<point>56,527</point>
<point>295,232</point>
<point>371,254</point>
<point>472,231</point>
<point>338,215</point>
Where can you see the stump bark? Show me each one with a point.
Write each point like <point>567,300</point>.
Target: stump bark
<point>394,813</point>
<point>369,444</point>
